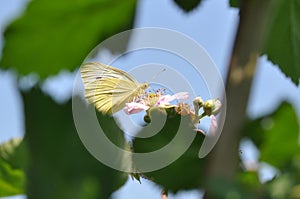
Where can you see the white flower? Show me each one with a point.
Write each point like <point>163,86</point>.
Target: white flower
<point>166,99</point>
<point>133,107</point>
<point>147,102</point>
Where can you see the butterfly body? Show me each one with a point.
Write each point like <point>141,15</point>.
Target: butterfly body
<point>109,88</point>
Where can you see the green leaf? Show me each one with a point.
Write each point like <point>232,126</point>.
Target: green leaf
<point>12,179</point>
<point>188,5</point>
<point>187,172</point>
<point>276,136</point>
<point>59,34</point>
<point>235,3</point>
<point>60,165</point>
<point>8,148</point>
<point>281,187</point>
<point>249,181</point>
<point>283,40</point>
<point>222,187</point>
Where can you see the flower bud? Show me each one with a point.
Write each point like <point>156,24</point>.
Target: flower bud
<point>212,107</point>
<point>198,103</point>
<point>147,118</point>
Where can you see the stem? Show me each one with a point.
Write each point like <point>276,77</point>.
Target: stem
<point>164,194</point>
<point>202,116</point>
<point>223,161</point>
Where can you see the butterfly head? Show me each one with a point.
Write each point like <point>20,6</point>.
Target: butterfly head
<point>144,86</point>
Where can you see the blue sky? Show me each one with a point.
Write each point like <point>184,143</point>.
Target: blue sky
<point>212,25</point>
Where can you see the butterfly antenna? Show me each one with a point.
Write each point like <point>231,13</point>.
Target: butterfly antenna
<point>157,74</point>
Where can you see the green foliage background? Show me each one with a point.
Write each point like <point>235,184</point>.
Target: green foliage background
<point>51,162</point>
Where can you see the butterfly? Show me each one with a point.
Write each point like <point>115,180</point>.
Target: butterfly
<point>109,88</point>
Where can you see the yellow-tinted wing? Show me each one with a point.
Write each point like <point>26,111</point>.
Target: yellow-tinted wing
<point>109,88</point>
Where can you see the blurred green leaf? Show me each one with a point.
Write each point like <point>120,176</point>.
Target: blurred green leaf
<point>283,40</point>
<point>249,179</point>
<point>59,34</point>
<point>60,166</point>
<point>8,148</point>
<point>286,183</point>
<point>281,186</point>
<point>250,185</point>
<point>112,131</point>
<point>187,172</point>
<point>253,130</point>
<point>281,140</point>
<point>12,180</point>
<point>276,135</point>
<point>188,5</point>
<point>235,3</point>
<point>221,187</point>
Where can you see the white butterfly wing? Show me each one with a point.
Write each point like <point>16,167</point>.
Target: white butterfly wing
<point>93,71</point>
<point>109,88</point>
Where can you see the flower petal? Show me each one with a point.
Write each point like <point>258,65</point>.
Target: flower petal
<point>181,96</point>
<point>163,100</point>
<point>166,99</point>
<point>213,128</point>
<point>217,107</point>
<point>133,107</point>
<point>198,103</point>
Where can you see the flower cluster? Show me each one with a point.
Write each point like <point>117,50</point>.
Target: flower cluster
<point>159,99</point>
<point>210,108</point>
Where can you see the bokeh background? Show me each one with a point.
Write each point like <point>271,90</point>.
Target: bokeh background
<point>213,24</point>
